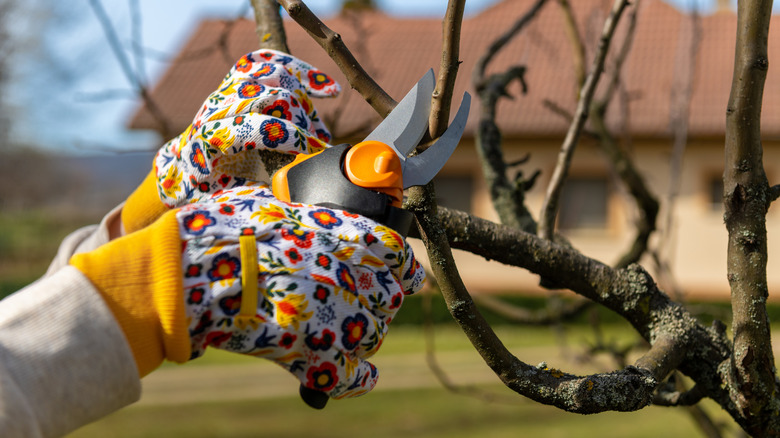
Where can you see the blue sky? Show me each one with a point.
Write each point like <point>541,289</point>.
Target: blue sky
<point>93,99</point>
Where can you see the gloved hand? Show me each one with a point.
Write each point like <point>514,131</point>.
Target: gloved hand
<point>310,288</point>
<point>263,103</point>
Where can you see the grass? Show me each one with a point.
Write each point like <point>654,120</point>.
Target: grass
<point>392,411</point>
<point>430,413</point>
<point>28,242</point>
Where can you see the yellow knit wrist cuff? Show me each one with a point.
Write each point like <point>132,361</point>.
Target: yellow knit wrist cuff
<point>140,277</point>
<point>143,206</point>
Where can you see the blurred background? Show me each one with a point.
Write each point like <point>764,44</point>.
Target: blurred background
<point>70,75</point>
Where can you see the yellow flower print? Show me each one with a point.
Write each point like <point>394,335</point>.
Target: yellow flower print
<point>222,139</point>
<point>390,238</point>
<point>292,310</point>
<point>171,183</point>
<point>270,214</point>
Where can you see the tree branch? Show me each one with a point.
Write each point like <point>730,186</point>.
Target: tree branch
<point>271,35</point>
<point>269,25</point>
<point>448,70</point>
<point>508,197</point>
<point>550,205</point>
<point>338,51</point>
<point>746,200</point>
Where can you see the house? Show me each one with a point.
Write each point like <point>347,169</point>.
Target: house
<point>596,214</point>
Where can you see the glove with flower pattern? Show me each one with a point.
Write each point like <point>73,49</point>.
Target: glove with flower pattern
<point>263,103</point>
<point>310,288</point>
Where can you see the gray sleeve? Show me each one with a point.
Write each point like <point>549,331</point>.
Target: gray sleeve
<point>83,240</point>
<point>64,361</point>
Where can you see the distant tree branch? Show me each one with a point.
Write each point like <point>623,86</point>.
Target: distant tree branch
<point>746,201</point>
<point>576,41</point>
<point>550,204</point>
<point>508,197</point>
<point>546,316</point>
<point>127,69</point>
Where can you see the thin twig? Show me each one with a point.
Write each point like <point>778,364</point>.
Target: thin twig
<point>550,205</point>
<point>127,69</point>
<point>448,68</point>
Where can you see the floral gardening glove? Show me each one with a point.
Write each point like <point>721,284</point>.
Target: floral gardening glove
<point>263,103</point>
<point>310,288</point>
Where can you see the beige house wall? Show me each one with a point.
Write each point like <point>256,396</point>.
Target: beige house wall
<point>696,244</point>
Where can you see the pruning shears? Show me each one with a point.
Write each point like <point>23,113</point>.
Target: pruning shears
<point>368,178</point>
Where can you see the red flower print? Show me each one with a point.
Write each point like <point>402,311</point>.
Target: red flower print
<point>197,222</point>
<point>322,378</point>
<point>279,109</point>
<point>396,300</point>
<point>265,70</point>
<point>293,255</point>
<point>238,120</point>
<point>196,296</point>
<point>224,266</point>
<point>193,270</point>
<point>323,342</point>
<point>273,133</point>
<point>267,56</point>
<point>244,64</point>
<point>369,239</point>
<point>217,338</point>
<point>198,160</point>
<point>319,80</point>
<point>353,329</point>
<point>323,261</point>
<point>345,278</point>
<point>325,218</point>
<point>249,90</point>
<point>227,209</point>
<point>224,180</point>
<point>301,238</point>
<point>321,294</point>
<point>287,341</point>
<point>230,304</point>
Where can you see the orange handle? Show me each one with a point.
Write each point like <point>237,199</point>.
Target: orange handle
<point>279,185</point>
<point>375,166</point>
<point>372,165</point>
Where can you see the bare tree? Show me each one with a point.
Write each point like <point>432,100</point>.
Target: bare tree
<point>737,373</point>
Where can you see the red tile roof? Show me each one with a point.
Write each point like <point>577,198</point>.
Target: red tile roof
<point>397,51</point>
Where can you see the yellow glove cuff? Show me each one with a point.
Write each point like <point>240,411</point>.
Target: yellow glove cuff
<point>140,277</point>
<point>144,206</point>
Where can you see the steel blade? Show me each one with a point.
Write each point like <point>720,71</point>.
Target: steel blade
<point>403,128</point>
<point>420,169</point>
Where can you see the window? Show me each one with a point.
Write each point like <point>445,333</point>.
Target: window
<point>454,192</point>
<point>583,204</point>
<point>715,192</point>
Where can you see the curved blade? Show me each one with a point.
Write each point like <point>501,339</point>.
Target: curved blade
<point>403,128</point>
<point>420,169</point>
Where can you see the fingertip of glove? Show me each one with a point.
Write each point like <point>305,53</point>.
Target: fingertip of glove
<point>313,398</point>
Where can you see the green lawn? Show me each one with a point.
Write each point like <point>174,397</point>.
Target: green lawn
<point>392,410</point>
